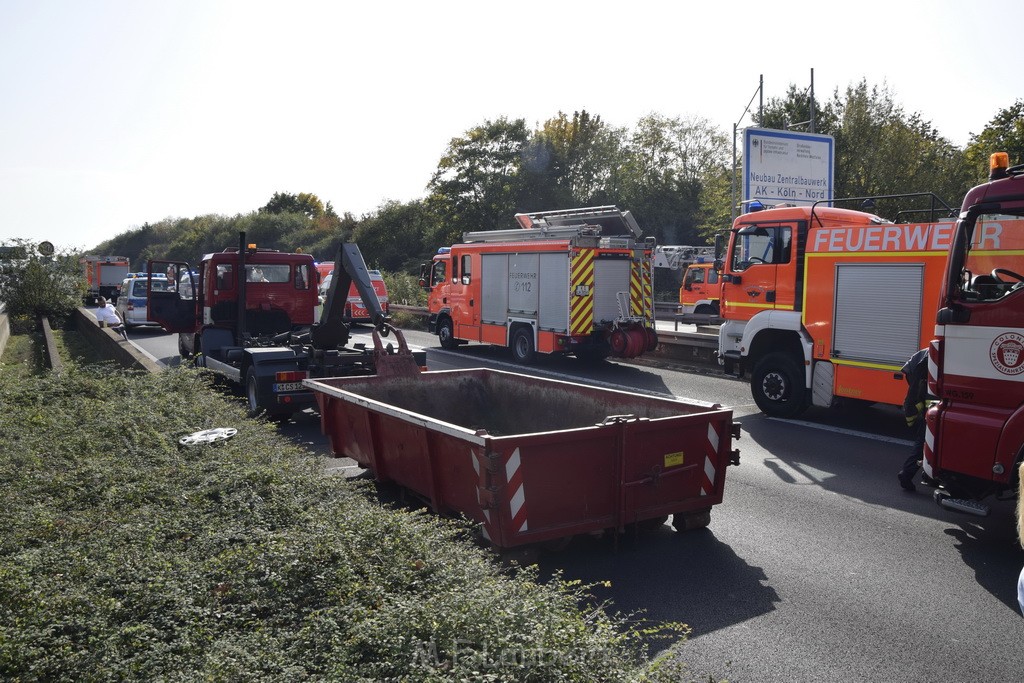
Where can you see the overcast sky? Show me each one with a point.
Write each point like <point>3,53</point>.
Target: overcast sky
<point>121,112</point>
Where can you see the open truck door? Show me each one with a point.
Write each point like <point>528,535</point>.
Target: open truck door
<point>176,310</point>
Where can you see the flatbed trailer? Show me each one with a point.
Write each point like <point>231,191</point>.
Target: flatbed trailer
<point>529,459</point>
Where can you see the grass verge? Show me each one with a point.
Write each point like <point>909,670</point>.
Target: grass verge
<point>126,556</point>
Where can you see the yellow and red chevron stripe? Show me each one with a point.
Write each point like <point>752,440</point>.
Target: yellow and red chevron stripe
<point>581,306</point>
<point>641,289</point>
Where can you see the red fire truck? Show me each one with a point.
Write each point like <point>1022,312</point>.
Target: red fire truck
<point>103,276</point>
<point>824,304</point>
<point>975,432</point>
<point>574,281</point>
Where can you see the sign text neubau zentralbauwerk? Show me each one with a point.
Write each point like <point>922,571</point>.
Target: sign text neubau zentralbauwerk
<point>786,167</point>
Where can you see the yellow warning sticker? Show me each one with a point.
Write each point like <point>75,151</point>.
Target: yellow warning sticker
<point>673,459</point>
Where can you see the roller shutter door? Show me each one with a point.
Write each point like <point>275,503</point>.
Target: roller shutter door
<point>878,312</point>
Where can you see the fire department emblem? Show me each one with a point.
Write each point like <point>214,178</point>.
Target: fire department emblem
<point>1007,353</point>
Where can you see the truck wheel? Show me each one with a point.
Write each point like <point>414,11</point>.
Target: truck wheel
<point>703,309</point>
<point>778,386</point>
<point>182,351</point>
<point>687,521</point>
<point>252,393</point>
<point>522,346</point>
<point>446,334</point>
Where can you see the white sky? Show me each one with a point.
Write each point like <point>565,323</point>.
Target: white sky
<point>119,112</point>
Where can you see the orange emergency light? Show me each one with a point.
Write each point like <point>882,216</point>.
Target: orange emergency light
<point>997,165</point>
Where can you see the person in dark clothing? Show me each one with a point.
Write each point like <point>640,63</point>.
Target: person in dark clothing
<point>915,371</point>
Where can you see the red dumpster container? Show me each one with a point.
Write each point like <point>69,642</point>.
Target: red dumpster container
<point>532,459</point>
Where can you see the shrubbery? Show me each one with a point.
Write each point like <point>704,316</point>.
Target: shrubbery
<point>125,556</point>
<point>40,285</point>
<point>404,289</point>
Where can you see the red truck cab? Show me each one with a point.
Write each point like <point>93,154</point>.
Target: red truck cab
<point>280,295</point>
<point>975,432</point>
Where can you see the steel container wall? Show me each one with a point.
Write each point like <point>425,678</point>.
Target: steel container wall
<point>530,459</point>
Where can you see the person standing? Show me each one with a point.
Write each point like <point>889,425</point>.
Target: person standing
<point>915,371</point>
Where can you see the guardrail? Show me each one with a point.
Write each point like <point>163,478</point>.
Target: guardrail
<point>689,347</point>
<point>685,347</point>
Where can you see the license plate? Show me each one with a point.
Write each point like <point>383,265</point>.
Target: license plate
<point>288,386</point>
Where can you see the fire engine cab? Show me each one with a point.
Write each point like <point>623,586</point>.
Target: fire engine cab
<point>823,304</point>
<point>975,432</point>
<point>574,281</point>
<point>701,289</point>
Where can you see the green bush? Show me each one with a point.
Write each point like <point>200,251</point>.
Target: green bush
<point>126,556</point>
<point>404,289</point>
<point>40,285</point>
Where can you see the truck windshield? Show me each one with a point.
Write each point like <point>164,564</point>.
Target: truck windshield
<point>755,244</point>
<point>439,273</point>
<point>994,262</point>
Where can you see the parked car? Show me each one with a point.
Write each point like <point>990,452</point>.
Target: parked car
<point>131,302</point>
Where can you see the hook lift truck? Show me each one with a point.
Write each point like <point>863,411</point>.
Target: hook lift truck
<point>248,315</point>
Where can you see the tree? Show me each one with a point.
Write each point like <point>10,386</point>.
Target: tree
<point>477,183</point>
<point>305,203</point>
<point>1004,133</point>
<point>880,149</point>
<point>571,163</point>
<point>666,167</point>
<point>36,284</point>
<point>794,110</point>
<point>392,239</point>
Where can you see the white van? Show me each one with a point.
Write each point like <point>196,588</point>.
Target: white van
<point>131,302</point>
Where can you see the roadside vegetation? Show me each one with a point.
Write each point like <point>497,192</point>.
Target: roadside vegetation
<point>674,174</point>
<point>125,555</point>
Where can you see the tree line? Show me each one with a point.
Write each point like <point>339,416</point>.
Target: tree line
<point>673,173</point>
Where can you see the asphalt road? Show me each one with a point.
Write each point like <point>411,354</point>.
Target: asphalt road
<point>816,566</point>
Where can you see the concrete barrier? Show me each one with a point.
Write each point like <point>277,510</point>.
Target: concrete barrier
<point>111,345</point>
<point>5,330</point>
<point>52,354</point>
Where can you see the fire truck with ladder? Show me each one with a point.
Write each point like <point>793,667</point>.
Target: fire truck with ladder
<point>575,281</point>
<point>824,304</point>
<point>974,438</point>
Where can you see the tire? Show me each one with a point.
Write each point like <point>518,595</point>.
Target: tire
<point>522,346</point>
<point>254,404</point>
<point>182,351</point>
<point>687,521</point>
<point>778,386</point>
<point>703,309</point>
<point>446,334</point>
<point>252,393</point>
